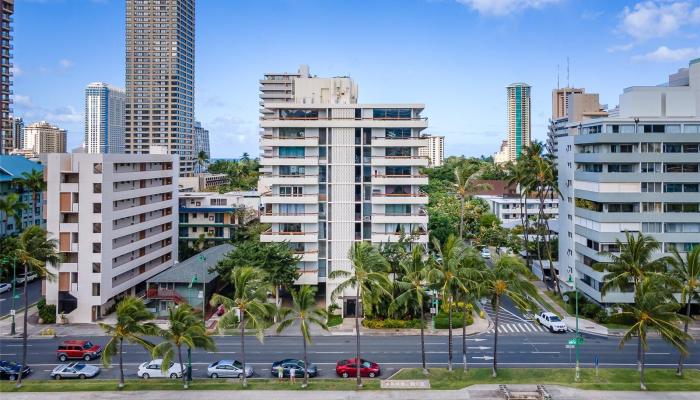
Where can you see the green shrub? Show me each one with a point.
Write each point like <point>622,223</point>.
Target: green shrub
<point>391,323</point>
<point>442,322</point>
<point>589,310</point>
<point>47,312</point>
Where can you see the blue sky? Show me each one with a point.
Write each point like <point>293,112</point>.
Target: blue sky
<point>456,56</point>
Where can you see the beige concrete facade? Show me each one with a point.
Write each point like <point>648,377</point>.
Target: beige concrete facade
<point>42,137</point>
<point>435,151</point>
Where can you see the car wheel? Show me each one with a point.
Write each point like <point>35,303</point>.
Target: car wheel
<point>57,377</point>
<point>145,376</point>
<point>214,376</point>
<point>173,376</point>
<point>87,357</point>
<point>345,375</point>
<point>82,376</point>
<point>372,375</point>
<point>551,329</point>
<point>239,376</point>
<point>13,377</point>
<point>62,358</point>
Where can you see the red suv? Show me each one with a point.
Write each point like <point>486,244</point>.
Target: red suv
<point>78,349</point>
<point>348,368</point>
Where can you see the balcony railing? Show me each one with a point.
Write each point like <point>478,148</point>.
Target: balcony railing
<point>270,232</point>
<point>401,157</point>
<point>278,214</point>
<point>400,194</point>
<point>401,176</point>
<point>420,213</point>
<point>332,118</point>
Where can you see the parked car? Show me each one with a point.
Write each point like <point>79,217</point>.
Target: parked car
<point>228,369</point>
<point>485,253</point>
<point>5,287</point>
<point>348,368</point>
<point>75,370</point>
<point>10,370</point>
<point>29,277</point>
<point>551,321</point>
<point>78,349</point>
<point>298,366</point>
<point>152,369</point>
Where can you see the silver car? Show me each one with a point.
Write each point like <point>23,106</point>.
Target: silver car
<point>228,369</point>
<point>75,370</point>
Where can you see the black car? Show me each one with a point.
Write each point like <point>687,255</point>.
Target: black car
<point>292,363</point>
<point>10,370</point>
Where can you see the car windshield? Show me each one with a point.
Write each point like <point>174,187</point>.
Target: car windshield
<point>238,364</point>
<point>554,318</point>
<point>78,367</point>
<point>87,345</point>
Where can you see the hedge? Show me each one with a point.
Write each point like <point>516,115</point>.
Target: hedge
<point>391,323</point>
<point>47,312</point>
<point>441,321</point>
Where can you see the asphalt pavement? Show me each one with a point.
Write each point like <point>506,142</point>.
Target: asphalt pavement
<point>33,292</point>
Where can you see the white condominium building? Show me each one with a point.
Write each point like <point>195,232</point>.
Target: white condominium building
<point>42,137</point>
<point>115,219</point>
<point>340,173</point>
<point>435,151</point>
<point>637,171</point>
<point>510,209</point>
<point>104,118</point>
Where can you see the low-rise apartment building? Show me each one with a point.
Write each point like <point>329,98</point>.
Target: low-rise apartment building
<point>510,209</point>
<point>11,169</point>
<point>114,217</point>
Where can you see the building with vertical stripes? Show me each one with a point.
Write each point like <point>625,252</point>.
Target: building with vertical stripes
<point>104,118</point>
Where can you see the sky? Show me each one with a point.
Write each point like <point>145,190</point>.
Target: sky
<point>455,56</point>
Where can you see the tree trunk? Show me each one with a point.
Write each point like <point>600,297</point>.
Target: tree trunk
<point>357,333</point>
<point>277,302</point>
<point>494,369</point>
<point>183,369</point>
<point>422,341</point>
<point>526,226</point>
<point>461,220</point>
<point>245,378</point>
<point>449,334</point>
<point>464,339</point>
<point>679,370</point>
<point>548,249</point>
<point>639,354</point>
<point>24,331</point>
<point>642,385</point>
<point>306,365</point>
<point>121,364</point>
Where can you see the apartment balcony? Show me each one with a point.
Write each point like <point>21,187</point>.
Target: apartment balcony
<point>411,198</point>
<point>387,237</point>
<point>307,277</point>
<point>291,237</point>
<point>274,141</point>
<point>275,160</point>
<point>68,227</point>
<point>304,218</point>
<point>399,142</point>
<point>272,198</point>
<point>418,179</point>
<point>274,121</point>
<point>69,187</point>
<point>400,161</point>
<point>290,179</point>
<point>420,217</point>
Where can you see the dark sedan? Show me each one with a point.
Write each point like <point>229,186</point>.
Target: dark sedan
<point>10,370</point>
<point>292,364</point>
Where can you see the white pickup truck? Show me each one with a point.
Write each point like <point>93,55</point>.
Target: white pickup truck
<point>551,321</point>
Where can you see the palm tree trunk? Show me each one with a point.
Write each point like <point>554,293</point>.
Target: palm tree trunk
<point>642,385</point>
<point>277,302</point>
<point>548,249</point>
<point>357,333</point>
<point>494,369</point>
<point>121,364</point>
<point>245,378</point>
<point>639,354</point>
<point>449,334</point>
<point>461,220</point>
<point>306,365</point>
<point>464,339</point>
<point>526,226</point>
<point>679,370</point>
<point>24,331</point>
<point>422,340</point>
<point>183,370</point>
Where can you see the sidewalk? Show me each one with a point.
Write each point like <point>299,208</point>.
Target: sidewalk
<point>584,325</point>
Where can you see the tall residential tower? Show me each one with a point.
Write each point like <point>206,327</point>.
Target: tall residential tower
<point>160,40</point>
<point>519,121</point>
<point>6,142</point>
<point>104,118</point>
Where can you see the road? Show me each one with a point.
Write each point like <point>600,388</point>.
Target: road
<point>33,291</point>
<point>531,350</point>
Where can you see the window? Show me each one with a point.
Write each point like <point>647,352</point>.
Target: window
<point>397,209</point>
<point>689,128</point>
<point>97,168</point>
<point>96,268</point>
<point>292,170</point>
<point>291,133</point>
<point>290,227</point>
<point>682,207</point>
<point>96,188</point>
<point>592,167</point>
<point>652,128</point>
<point>621,148</point>
<point>397,133</point>
<point>622,207</point>
<point>219,218</point>
<point>291,209</point>
<point>673,148</point>
<point>398,152</point>
<point>651,187</point>
<point>651,147</point>
<point>690,148</point>
<point>291,152</point>
<point>620,167</point>
<point>391,113</point>
<point>97,208</point>
<point>677,167</point>
<point>682,227</point>
<point>398,171</point>
<point>97,248</point>
<point>96,227</point>
<point>291,190</point>
<point>299,114</point>
<point>649,167</point>
<point>95,289</point>
<point>651,227</point>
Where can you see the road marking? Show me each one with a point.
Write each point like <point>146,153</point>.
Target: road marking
<point>334,352</point>
<point>544,352</point>
<point>660,354</point>
<point>17,345</point>
<point>8,354</point>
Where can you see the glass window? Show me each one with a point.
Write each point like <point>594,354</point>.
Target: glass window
<point>690,148</point>
<point>292,170</point>
<point>648,167</point>
<point>673,187</point>
<point>291,133</point>
<point>626,128</point>
<point>397,133</point>
<point>690,128</point>
<point>291,152</point>
<point>673,129</point>
<point>651,187</point>
<point>391,113</point>
<point>651,147</point>
<point>651,227</point>
<point>290,227</point>
<point>398,209</point>
<point>398,151</point>
<point>673,147</point>
<point>398,171</point>
<point>299,114</point>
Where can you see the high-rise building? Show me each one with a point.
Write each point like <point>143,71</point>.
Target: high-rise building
<point>435,151</point>
<point>11,168</point>
<point>104,118</point>
<point>339,172</point>
<point>570,105</point>
<point>17,133</point>
<point>502,156</point>
<point>115,219</point>
<point>637,172</point>
<point>6,142</point>
<point>519,121</point>
<point>42,137</point>
<point>201,143</point>
<point>160,66</point>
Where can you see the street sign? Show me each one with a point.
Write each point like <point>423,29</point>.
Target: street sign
<point>569,346</point>
<point>12,312</point>
<point>576,340</point>
<point>200,295</point>
<point>433,310</point>
<point>565,298</point>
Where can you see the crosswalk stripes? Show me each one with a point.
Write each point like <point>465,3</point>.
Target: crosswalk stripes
<point>521,328</point>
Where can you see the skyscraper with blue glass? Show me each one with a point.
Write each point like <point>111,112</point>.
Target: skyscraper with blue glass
<point>519,121</point>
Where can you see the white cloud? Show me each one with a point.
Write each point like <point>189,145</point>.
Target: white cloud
<point>658,18</point>
<point>665,54</point>
<point>25,107</point>
<point>65,63</point>
<point>504,7</point>
<point>620,47</point>
<point>16,70</point>
<point>21,100</point>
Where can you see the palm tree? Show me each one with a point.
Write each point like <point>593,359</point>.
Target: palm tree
<point>305,312</point>
<point>186,329</point>
<point>12,206</point>
<point>250,288</point>
<point>517,175</point>
<point>132,324</point>
<point>445,275</point>
<point>471,275</point>
<point>506,278</point>
<point>412,285</point>
<point>686,273</point>
<point>465,187</point>
<point>369,279</point>
<point>34,251</point>
<point>34,182</point>
<point>202,160</point>
<point>654,308</point>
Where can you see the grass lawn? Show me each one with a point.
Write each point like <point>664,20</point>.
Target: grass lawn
<point>608,379</point>
<point>334,320</point>
<point>197,384</point>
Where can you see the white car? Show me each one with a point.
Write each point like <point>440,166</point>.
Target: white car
<point>29,277</point>
<point>153,369</point>
<point>551,321</point>
<point>5,287</point>
<point>485,253</point>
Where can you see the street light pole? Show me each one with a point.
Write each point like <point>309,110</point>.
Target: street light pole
<point>578,335</point>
